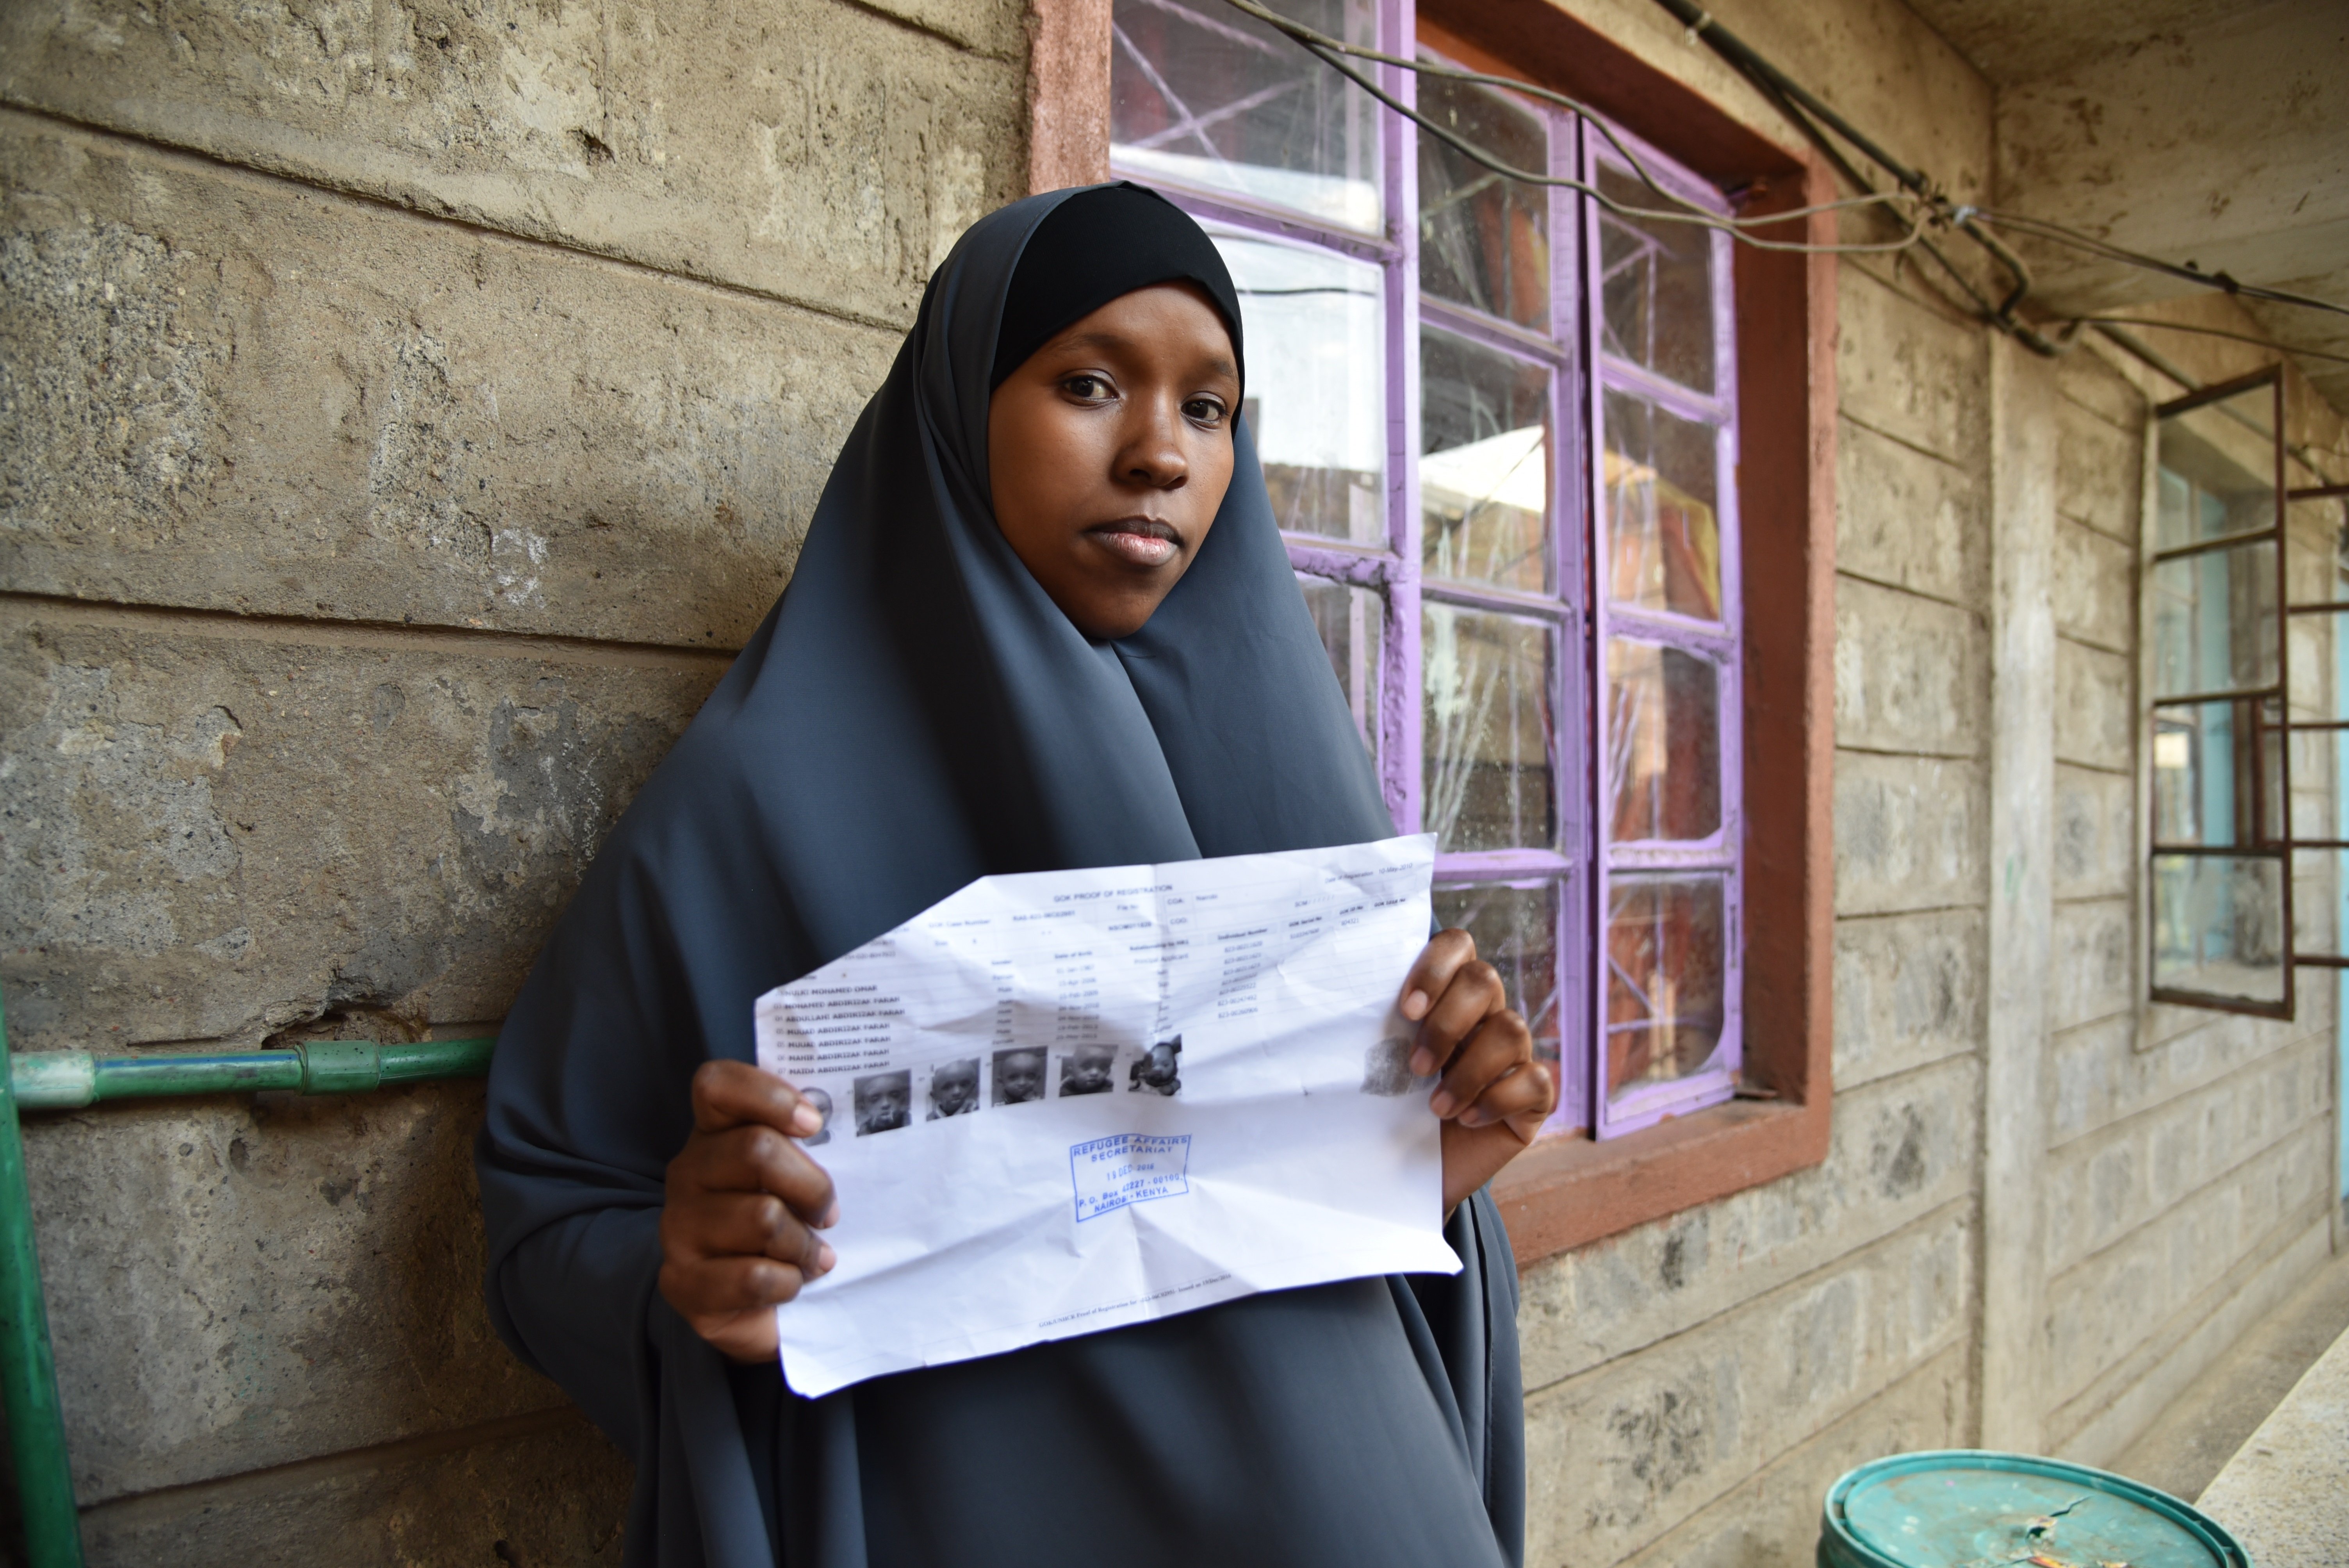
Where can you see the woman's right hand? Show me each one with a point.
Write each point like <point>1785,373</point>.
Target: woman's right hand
<point>744,1203</point>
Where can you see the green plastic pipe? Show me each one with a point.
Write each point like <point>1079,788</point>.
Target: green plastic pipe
<point>29,1372</point>
<point>65,1081</point>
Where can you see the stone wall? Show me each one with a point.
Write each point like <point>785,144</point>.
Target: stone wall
<point>407,409</point>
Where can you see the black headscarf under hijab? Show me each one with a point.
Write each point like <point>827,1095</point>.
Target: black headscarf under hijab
<point>916,713</point>
<point>1102,245</point>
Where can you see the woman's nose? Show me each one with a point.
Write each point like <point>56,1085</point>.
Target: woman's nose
<point>1154,454</point>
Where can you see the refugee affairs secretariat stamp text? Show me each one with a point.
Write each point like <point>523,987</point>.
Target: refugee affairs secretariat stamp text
<point>1128,1168</point>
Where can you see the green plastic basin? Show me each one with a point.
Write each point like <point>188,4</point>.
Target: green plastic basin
<point>1971,1508</point>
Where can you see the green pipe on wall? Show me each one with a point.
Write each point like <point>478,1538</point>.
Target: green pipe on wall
<point>29,1372</point>
<point>66,1080</point>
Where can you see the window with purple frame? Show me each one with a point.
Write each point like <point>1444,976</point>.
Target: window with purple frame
<point>1497,422</point>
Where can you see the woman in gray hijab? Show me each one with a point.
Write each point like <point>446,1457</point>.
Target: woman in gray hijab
<point>1044,619</point>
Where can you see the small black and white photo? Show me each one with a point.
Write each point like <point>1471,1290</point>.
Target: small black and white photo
<point>1089,1070</point>
<point>1386,1067</point>
<point>821,1100</point>
<point>954,1088</point>
<point>883,1102</point>
<point>1020,1075</point>
<point>1157,1070</point>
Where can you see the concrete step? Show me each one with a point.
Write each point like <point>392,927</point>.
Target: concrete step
<point>2285,1494</point>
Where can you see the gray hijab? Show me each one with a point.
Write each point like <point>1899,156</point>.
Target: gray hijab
<point>916,713</point>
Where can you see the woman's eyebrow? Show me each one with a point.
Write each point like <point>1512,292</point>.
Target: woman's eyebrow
<point>1093,340</point>
<point>1220,363</point>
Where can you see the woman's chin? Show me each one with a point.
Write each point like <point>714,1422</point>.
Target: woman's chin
<point>1116,609</point>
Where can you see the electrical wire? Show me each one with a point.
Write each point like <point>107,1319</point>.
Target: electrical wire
<point>1972,221</point>
<point>1918,198</point>
<point>1299,33</point>
<point>2056,233</point>
<point>1816,112</point>
<point>1817,136</point>
<point>2204,331</point>
<point>1332,53</point>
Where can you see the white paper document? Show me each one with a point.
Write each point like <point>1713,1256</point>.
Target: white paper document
<point>1066,1101</point>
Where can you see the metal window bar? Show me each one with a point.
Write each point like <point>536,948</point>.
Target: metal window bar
<point>2259,843</point>
<point>2290,727</point>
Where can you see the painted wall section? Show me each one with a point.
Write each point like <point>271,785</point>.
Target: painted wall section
<point>407,410</point>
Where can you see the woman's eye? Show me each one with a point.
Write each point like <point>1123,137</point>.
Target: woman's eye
<point>1207,410</point>
<point>1091,388</point>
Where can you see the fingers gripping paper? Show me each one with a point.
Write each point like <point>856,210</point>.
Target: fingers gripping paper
<point>1060,1102</point>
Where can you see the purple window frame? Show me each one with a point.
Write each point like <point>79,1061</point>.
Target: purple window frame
<point>1587,866</point>
<point>1721,643</point>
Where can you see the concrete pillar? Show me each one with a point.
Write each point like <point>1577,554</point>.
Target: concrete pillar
<point>2023,458</point>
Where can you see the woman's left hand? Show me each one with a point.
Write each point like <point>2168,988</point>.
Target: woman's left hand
<point>1494,1096</point>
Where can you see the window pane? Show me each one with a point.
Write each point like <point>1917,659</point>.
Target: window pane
<point>2197,774</point>
<point>2326,518</point>
<point>1516,930</point>
<point>1665,970</point>
<point>1317,405</point>
<point>1664,549</point>
<point>2218,925</point>
<point>1655,286</point>
<point>1352,624</point>
<point>2218,470</point>
<point>1203,95</point>
<point>2208,773</point>
<point>1489,778</point>
<point>1663,742</point>
<point>1485,469</point>
<point>1483,241</point>
<point>2214,621</point>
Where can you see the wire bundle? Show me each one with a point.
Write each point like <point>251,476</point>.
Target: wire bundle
<point>1918,201</point>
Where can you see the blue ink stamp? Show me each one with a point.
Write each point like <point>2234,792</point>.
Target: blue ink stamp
<point>1128,1168</point>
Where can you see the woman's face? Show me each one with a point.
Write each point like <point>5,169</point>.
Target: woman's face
<point>1109,451</point>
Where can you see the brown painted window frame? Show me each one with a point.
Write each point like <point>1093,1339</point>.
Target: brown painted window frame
<point>1568,1191</point>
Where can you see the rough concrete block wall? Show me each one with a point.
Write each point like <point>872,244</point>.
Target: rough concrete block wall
<point>404,413</point>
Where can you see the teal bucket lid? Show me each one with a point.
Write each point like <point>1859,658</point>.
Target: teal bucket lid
<point>1971,1508</point>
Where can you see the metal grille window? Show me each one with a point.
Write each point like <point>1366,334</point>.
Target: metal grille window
<point>1496,425</point>
<point>2234,716</point>
<point>2220,874</point>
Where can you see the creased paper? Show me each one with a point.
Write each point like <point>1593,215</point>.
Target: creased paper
<point>1062,1102</point>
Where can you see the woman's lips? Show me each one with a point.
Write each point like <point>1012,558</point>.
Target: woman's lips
<point>1141,541</point>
